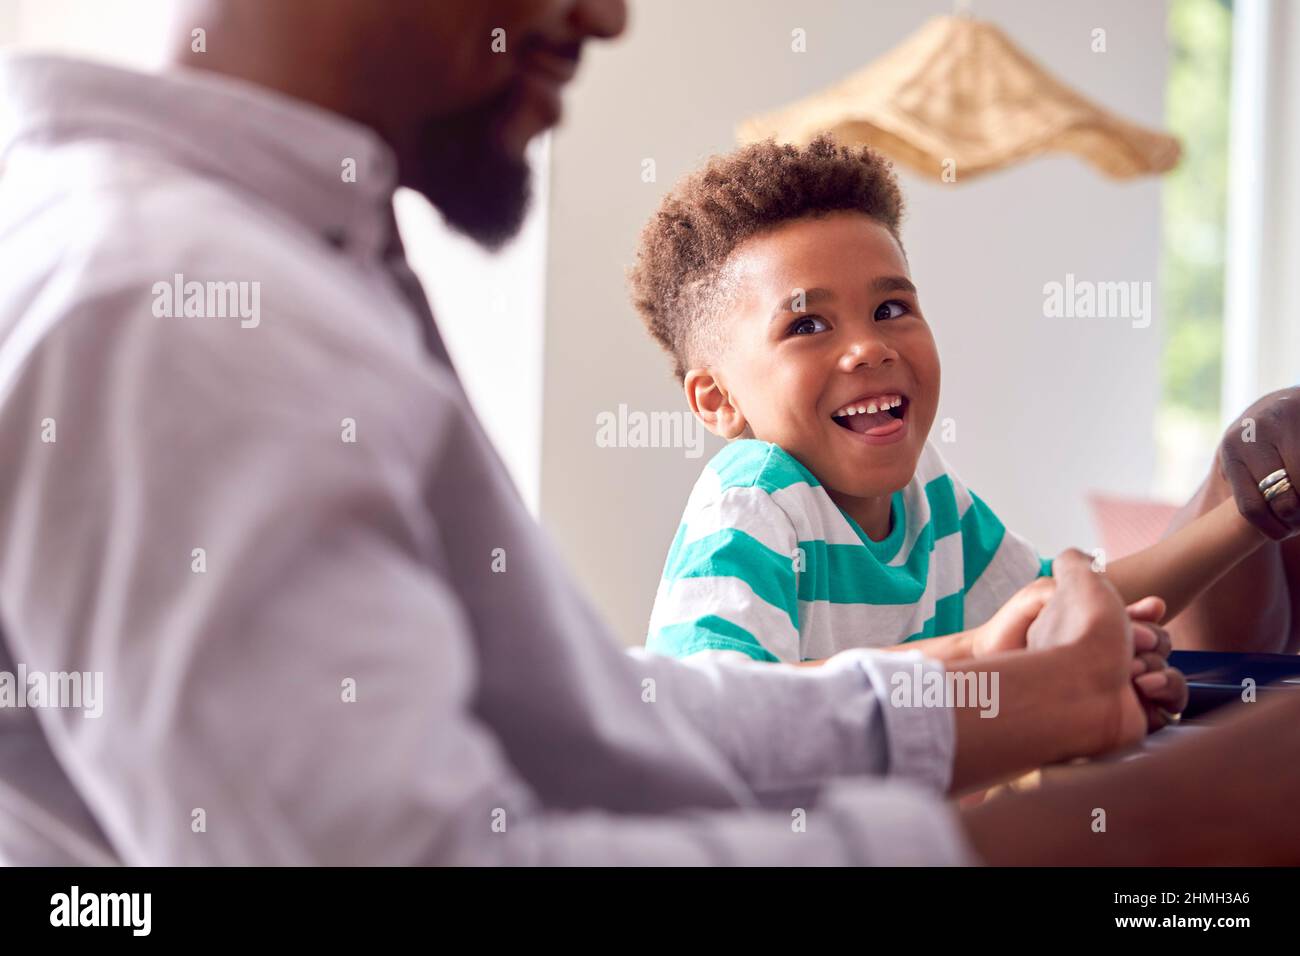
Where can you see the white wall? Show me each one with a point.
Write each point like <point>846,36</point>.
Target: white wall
<point>490,312</point>
<point>1045,409</point>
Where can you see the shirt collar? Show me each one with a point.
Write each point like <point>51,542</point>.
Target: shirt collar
<point>286,152</point>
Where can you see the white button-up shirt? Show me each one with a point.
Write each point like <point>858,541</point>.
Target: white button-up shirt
<point>241,487</point>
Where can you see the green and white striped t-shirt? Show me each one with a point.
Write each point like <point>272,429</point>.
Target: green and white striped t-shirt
<point>765,563</point>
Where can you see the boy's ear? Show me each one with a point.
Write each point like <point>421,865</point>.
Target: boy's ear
<point>712,404</point>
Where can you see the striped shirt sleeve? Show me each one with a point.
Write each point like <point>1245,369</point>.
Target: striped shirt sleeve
<point>729,583</point>
<point>996,562</point>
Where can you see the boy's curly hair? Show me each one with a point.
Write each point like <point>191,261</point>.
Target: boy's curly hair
<point>735,196</point>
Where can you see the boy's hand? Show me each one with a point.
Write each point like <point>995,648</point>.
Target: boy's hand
<point>1006,629</point>
<point>1161,689</point>
<point>1265,439</point>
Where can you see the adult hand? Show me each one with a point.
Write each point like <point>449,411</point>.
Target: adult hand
<point>1086,613</point>
<point>1265,439</point>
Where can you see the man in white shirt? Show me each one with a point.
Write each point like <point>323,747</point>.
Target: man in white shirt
<point>242,483</point>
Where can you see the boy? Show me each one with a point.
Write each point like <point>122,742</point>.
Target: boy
<point>776,280</point>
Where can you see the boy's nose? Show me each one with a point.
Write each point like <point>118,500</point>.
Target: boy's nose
<point>869,350</point>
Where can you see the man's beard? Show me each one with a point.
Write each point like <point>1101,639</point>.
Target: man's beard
<point>479,188</point>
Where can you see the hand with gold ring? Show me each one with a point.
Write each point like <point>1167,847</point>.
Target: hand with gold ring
<point>1259,455</point>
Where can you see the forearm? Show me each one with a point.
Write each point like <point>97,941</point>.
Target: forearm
<point>949,648</point>
<point>1048,710</point>
<point>1242,817</point>
<point>1249,608</point>
<point>1290,574</point>
<point>1053,824</point>
<point>1188,561</point>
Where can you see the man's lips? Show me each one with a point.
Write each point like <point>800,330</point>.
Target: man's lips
<point>543,75</point>
<point>557,67</point>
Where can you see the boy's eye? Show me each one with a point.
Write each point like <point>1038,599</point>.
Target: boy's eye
<point>884,310</point>
<point>807,325</point>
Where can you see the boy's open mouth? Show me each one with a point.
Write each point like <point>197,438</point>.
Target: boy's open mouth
<point>873,415</point>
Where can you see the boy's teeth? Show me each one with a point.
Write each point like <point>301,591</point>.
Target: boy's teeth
<point>884,403</point>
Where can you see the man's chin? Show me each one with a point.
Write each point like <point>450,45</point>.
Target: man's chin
<point>480,184</point>
<point>488,206</point>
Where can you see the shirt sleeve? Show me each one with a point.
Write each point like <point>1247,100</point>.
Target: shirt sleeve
<point>284,665</point>
<point>759,717</point>
<point>996,561</point>
<point>730,583</point>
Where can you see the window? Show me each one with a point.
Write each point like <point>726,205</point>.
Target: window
<point>1189,419</point>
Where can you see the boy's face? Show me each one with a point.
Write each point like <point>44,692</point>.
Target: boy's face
<point>859,341</point>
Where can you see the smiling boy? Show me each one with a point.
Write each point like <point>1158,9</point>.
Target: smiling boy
<point>776,280</point>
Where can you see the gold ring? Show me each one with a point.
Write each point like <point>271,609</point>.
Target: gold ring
<point>1281,488</point>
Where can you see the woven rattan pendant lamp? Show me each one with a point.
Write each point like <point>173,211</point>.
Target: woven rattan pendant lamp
<point>959,96</point>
